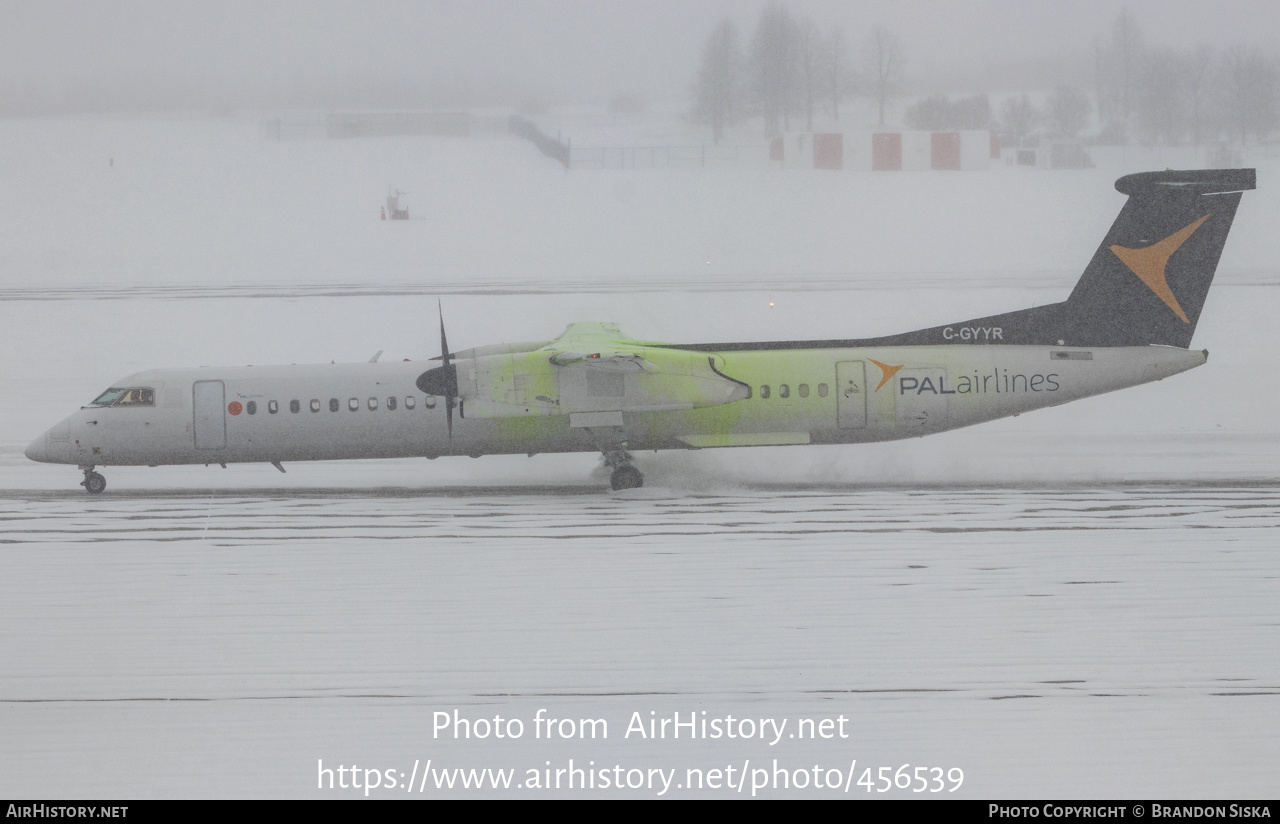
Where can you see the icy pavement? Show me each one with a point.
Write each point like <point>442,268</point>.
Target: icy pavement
<point>1077,641</point>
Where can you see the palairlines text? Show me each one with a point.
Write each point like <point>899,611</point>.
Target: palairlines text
<point>998,382</point>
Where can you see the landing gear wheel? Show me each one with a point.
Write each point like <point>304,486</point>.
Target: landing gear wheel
<point>626,477</point>
<point>93,483</point>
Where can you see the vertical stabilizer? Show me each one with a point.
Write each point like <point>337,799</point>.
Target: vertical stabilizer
<point>1149,278</point>
<point>1145,285</point>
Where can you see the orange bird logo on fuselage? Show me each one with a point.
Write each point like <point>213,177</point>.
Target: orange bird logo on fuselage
<point>886,370</point>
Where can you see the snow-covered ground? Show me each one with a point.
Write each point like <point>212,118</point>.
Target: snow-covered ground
<point>1076,602</point>
<point>1065,641</point>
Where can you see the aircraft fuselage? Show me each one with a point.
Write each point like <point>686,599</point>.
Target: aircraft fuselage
<point>374,410</point>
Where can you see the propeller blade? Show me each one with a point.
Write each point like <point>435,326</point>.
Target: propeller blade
<point>443,380</point>
<point>444,342</point>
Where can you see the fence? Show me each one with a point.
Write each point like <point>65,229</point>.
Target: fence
<point>349,125</point>
<point>549,146</point>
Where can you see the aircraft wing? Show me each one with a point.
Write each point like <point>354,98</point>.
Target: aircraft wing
<point>594,368</point>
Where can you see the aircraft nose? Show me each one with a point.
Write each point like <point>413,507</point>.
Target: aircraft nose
<point>38,450</point>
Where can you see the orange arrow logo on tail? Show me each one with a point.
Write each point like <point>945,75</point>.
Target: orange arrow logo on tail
<point>886,370</point>
<point>1148,264</point>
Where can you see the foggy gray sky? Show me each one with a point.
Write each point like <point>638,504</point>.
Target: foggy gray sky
<point>561,49</point>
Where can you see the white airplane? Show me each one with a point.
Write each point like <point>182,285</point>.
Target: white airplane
<point>1128,321</point>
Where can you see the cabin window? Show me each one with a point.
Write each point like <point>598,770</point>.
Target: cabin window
<point>294,407</point>
<point>803,389</point>
<point>315,404</point>
<point>822,390</point>
<point>334,406</point>
<point>784,391</point>
<point>273,407</point>
<point>373,404</point>
<point>251,407</point>
<point>353,404</point>
<point>429,402</point>
<point>764,391</point>
<point>391,403</point>
<point>409,402</point>
<point>109,397</point>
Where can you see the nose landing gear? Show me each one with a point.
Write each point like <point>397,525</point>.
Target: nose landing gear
<point>93,482</point>
<point>626,476</point>
<point>612,443</point>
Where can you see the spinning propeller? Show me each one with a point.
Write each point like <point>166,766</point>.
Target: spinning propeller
<point>443,380</point>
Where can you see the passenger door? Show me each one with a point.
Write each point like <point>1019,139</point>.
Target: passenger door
<point>210,427</point>
<point>920,395</point>
<point>851,394</point>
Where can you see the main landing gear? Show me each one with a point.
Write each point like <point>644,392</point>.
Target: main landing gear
<point>612,443</point>
<point>93,482</point>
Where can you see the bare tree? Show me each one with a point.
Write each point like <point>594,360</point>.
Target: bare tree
<point>884,63</point>
<point>1020,117</point>
<point>1200,66</point>
<point>838,81</point>
<point>940,112</point>
<point>719,79</point>
<point>1068,111</point>
<point>971,113</point>
<point>773,67</point>
<point>1127,44</point>
<point>808,48</point>
<point>931,114</point>
<point>1101,78</point>
<point>1117,64</point>
<point>1161,97</point>
<point>1249,92</point>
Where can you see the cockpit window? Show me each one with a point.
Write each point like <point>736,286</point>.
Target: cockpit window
<point>109,397</point>
<point>130,396</point>
<point>142,396</point>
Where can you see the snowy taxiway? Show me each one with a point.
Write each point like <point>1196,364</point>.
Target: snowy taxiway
<point>1114,640</point>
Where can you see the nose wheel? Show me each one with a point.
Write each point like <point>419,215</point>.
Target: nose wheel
<point>93,482</point>
<point>626,476</point>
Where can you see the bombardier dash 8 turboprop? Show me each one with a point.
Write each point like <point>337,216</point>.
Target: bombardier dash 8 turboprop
<point>1128,321</point>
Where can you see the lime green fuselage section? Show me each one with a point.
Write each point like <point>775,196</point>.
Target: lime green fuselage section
<point>797,395</point>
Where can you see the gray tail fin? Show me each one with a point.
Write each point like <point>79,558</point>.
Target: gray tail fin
<point>1146,283</point>
<point>1149,279</point>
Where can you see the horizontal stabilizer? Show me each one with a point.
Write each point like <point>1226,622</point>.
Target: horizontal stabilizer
<point>1195,181</point>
